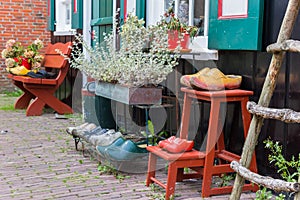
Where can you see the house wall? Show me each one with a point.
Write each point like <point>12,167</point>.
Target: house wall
<point>23,21</point>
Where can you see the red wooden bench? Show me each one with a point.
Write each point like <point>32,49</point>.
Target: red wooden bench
<point>41,90</point>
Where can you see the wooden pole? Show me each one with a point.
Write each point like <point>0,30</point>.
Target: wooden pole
<point>266,94</point>
<point>297,196</point>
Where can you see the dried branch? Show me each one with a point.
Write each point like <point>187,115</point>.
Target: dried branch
<point>268,182</point>
<point>285,115</point>
<point>288,45</point>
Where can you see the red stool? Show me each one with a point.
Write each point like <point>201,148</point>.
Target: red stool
<point>203,162</point>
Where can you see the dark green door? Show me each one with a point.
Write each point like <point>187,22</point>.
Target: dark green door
<point>235,24</point>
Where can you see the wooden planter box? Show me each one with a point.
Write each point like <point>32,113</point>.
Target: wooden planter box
<point>129,95</point>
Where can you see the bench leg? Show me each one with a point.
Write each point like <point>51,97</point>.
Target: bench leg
<point>24,100</point>
<point>35,108</point>
<point>48,98</point>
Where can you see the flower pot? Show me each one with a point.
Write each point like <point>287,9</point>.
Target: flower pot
<point>23,62</point>
<point>174,39</point>
<point>129,95</point>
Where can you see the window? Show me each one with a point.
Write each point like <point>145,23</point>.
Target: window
<point>63,16</point>
<point>192,12</point>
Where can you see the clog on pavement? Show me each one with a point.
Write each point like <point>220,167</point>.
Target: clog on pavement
<point>117,142</point>
<point>105,139</point>
<point>125,152</point>
<point>78,132</point>
<point>71,128</point>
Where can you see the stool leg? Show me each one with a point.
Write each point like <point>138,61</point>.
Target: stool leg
<point>171,180</point>
<point>185,118</point>
<point>212,138</point>
<point>151,168</point>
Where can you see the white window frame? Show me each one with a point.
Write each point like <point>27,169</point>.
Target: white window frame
<point>155,9</point>
<point>62,24</point>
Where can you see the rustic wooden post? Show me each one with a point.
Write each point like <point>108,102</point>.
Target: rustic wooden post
<point>297,196</point>
<point>266,94</point>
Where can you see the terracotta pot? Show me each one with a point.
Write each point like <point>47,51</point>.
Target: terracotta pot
<point>173,40</point>
<point>23,62</point>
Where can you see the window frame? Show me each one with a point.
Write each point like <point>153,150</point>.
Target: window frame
<point>199,41</point>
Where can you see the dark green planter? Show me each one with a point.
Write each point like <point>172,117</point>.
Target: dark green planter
<point>104,112</point>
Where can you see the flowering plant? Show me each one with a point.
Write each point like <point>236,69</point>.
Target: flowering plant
<point>130,65</point>
<point>173,23</point>
<point>16,55</point>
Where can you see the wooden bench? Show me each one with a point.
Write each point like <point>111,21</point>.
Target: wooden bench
<point>41,90</point>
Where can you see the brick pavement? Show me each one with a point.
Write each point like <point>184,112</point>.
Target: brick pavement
<point>38,160</point>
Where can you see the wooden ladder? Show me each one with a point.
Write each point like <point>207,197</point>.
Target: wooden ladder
<point>278,49</point>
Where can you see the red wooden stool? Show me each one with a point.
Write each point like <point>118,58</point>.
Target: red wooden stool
<point>203,162</point>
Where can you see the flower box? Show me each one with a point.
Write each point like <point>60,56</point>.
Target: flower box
<point>129,95</point>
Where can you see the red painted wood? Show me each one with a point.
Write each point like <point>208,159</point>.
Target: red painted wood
<point>203,162</point>
<point>42,90</point>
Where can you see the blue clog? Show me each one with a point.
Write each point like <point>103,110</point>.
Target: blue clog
<point>117,142</point>
<point>127,151</point>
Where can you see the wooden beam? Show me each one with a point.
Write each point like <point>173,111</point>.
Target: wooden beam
<point>288,45</point>
<point>285,115</point>
<point>266,181</point>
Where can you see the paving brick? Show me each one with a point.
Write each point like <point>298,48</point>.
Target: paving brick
<point>38,160</point>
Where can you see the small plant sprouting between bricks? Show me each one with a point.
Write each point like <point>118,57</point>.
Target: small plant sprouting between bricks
<point>288,170</point>
<point>226,179</point>
<point>109,169</point>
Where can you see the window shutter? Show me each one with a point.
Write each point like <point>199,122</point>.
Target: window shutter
<point>51,15</point>
<point>140,9</point>
<point>77,14</point>
<point>236,27</point>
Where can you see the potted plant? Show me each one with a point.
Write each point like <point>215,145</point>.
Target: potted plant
<point>130,66</point>
<point>178,32</point>
<point>20,59</point>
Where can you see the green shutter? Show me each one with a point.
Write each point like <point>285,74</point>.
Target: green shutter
<point>77,14</point>
<point>51,15</point>
<point>102,17</point>
<point>140,9</point>
<point>240,33</point>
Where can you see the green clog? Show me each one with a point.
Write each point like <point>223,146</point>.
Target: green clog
<point>117,142</point>
<point>125,152</point>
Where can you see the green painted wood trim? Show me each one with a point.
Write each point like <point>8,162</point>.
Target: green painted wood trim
<point>236,33</point>
<point>77,17</point>
<point>102,21</point>
<point>51,15</point>
<point>140,9</point>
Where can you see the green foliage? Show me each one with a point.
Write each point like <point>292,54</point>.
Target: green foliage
<point>150,127</point>
<point>284,167</point>
<point>7,107</point>
<point>153,137</point>
<point>226,179</point>
<point>263,194</point>
<point>109,169</point>
<point>15,93</point>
